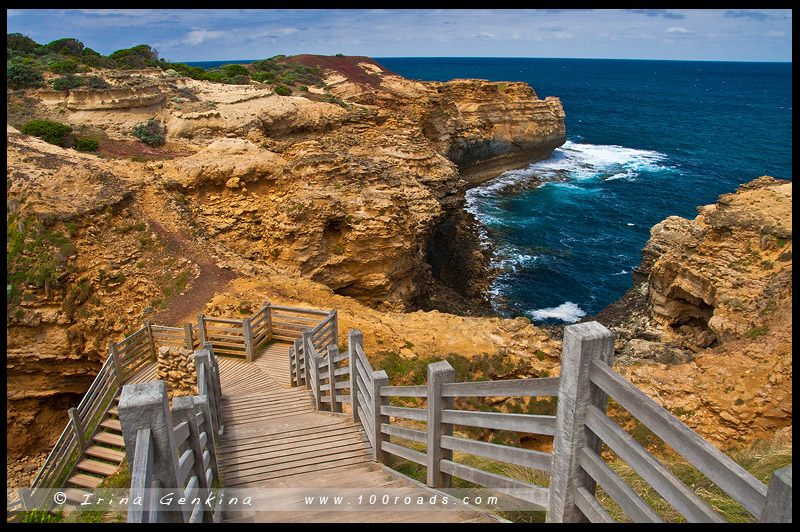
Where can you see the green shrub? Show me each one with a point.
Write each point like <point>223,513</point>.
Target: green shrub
<point>65,83</point>
<point>21,76</point>
<point>96,82</point>
<point>86,145</point>
<point>17,41</point>
<point>52,132</point>
<point>235,70</point>
<point>283,90</point>
<point>67,66</point>
<point>152,133</point>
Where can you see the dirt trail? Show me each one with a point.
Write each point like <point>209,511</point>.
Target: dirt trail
<point>167,226</point>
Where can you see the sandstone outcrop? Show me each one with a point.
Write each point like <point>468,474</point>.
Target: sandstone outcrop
<point>343,189</point>
<point>708,323</point>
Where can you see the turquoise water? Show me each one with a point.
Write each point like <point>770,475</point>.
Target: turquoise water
<point>645,140</point>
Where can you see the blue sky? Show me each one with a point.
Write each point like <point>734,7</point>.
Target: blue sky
<point>218,34</point>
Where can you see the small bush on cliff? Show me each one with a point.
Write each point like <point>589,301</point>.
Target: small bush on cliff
<point>21,76</point>
<point>52,132</point>
<point>86,145</point>
<point>152,133</point>
<point>283,90</point>
<point>65,83</point>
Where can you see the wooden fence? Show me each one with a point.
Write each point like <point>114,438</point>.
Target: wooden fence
<point>238,337</point>
<point>173,451</point>
<point>125,358</point>
<point>580,426</point>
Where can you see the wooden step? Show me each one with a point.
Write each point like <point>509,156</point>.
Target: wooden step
<point>85,481</point>
<point>75,495</point>
<point>105,453</point>
<point>111,424</point>
<point>109,438</point>
<point>93,466</point>
<point>113,411</point>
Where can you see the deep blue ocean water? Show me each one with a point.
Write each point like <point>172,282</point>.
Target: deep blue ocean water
<point>645,140</point>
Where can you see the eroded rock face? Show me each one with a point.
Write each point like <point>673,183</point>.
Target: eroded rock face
<point>249,183</point>
<point>716,277</point>
<point>349,197</point>
<point>706,331</point>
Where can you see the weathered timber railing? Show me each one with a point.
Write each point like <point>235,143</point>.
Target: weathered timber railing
<point>312,337</point>
<point>579,427</point>
<point>125,358</point>
<point>243,337</point>
<point>173,453</point>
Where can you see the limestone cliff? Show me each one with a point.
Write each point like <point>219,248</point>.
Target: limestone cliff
<point>708,324</point>
<point>342,190</point>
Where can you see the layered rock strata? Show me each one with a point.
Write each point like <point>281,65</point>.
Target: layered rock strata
<point>344,189</point>
<point>707,328</point>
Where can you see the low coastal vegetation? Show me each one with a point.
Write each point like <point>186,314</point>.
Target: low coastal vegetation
<point>30,64</point>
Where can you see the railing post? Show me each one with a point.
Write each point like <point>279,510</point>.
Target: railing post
<point>183,409</point>
<point>778,507</point>
<point>354,337</point>
<point>202,357</point>
<point>248,339</point>
<point>149,326</point>
<point>75,421</point>
<point>439,373</point>
<point>335,327</point>
<point>333,352</point>
<point>201,404</point>
<point>583,343</point>
<point>201,328</point>
<point>308,348</point>
<point>112,351</point>
<point>379,379</point>
<point>312,363</point>
<point>269,320</point>
<point>144,406</point>
<point>298,354</point>
<point>187,333</point>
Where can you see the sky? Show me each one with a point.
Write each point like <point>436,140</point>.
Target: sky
<point>188,35</point>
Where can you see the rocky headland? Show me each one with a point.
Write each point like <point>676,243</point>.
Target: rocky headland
<point>351,197</point>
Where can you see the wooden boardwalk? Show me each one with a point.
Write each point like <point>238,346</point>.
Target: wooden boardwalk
<point>275,445</point>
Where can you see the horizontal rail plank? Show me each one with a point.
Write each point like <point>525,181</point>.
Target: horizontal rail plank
<point>591,507</point>
<point>404,452</point>
<point>419,436</point>
<point>536,495</point>
<point>538,387</point>
<point>631,503</point>
<point>533,424</point>
<point>736,481</point>
<point>675,492</point>
<point>417,414</point>
<point>513,455</point>
<point>404,391</point>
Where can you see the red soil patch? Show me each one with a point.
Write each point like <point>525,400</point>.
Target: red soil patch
<point>345,65</point>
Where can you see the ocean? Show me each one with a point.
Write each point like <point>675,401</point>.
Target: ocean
<point>645,140</point>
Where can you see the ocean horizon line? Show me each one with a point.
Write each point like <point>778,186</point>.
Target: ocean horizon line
<point>247,61</point>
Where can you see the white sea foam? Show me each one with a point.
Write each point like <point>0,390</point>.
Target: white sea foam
<point>574,161</point>
<point>568,312</point>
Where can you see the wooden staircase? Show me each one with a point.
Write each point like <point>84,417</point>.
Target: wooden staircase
<point>101,458</point>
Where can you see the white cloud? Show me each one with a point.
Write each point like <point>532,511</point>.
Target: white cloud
<point>199,35</point>
<point>677,29</point>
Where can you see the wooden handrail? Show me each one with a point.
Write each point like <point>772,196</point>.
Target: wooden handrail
<point>582,399</point>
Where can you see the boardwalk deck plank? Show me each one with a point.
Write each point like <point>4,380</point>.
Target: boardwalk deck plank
<point>274,438</point>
